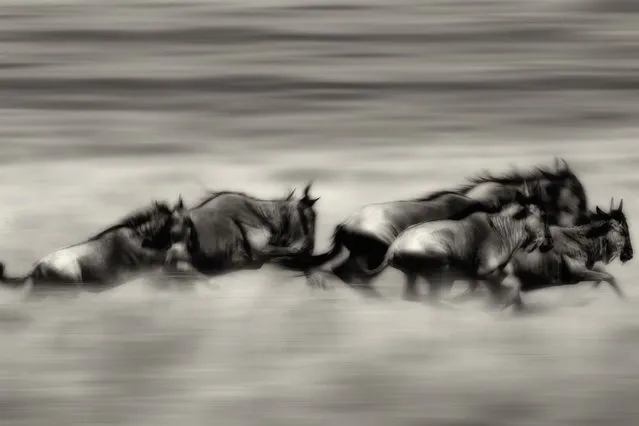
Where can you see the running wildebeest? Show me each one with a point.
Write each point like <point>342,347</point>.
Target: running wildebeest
<point>136,243</point>
<point>477,247</point>
<point>367,233</point>
<point>230,231</point>
<point>575,252</point>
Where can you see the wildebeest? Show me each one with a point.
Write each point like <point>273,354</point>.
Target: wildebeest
<point>230,231</point>
<point>477,247</point>
<point>367,233</point>
<point>576,251</point>
<point>136,243</point>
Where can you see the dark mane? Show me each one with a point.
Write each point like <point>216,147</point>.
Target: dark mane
<point>518,177</point>
<point>513,177</point>
<point>214,194</point>
<point>135,218</point>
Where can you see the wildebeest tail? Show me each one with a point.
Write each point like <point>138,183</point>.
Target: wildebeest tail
<point>11,281</point>
<point>371,272</point>
<point>305,263</point>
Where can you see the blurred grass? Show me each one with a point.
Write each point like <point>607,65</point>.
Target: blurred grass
<point>217,73</point>
<point>107,104</point>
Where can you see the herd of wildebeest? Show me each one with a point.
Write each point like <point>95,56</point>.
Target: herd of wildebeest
<point>515,232</point>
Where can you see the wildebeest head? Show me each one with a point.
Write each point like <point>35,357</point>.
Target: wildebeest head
<point>615,228</point>
<point>298,221</point>
<point>154,229</point>
<point>182,235</point>
<point>567,203</point>
<point>529,206</point>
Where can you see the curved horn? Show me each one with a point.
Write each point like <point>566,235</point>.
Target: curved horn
<point>558,164</point>
<point>620,208</point>
<point>565,165</point>
<point>548,175</point>
<point>180,203</point>
<point>526,191</point>
<point>307,189</point>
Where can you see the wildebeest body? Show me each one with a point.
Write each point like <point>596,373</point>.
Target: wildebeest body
<point>385,221</point>
<point>478,247</point>
<point>575,253</point>
<point>135,244</point>
<point>367,233</point>
<point>230,231</point>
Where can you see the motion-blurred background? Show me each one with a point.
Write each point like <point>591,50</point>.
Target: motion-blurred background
<point>108,104</point>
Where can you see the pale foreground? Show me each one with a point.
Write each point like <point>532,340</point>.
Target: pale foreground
<point>263,348</point>
<point>107,104</point>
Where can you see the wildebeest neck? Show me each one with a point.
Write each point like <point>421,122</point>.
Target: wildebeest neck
<point>511,233</point>
<point>574,242</point>
<point>274,215</point>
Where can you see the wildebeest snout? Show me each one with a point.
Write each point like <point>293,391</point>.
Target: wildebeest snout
<point>626,254</point>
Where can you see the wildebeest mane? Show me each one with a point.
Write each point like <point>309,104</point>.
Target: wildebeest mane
<point>585,239</point>
<point>512,177</point>
<point>211,195</point>
<point>515,177</point>
<point>135,218</point>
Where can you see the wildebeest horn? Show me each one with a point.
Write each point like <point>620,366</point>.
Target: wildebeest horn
<point>307,189</point>
<point>180,203</point>
<point>526,189</point>
<point>620,208</point>
<point>612,203</point>
<point>557,164</point>
<point>291,194</point>
<point>307,196</point>
<point>561,164</point>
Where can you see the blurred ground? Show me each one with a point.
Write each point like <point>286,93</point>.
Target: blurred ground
<point>107,104</point>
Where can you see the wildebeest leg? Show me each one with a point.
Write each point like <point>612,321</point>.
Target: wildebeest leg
<point>364,286</point>
<point>494,269</point>
<point>45,282</point>
<point>504,286</point>
<point>435,282</point>
<point>612,281</point>
<point>410,287</point>
<point>366,289</point>
<point>513,286</point>
<point>469,294</point>
<point>580,273</point>
<point>496,289</point>
<point>349,272</point>
<point>438,281</point>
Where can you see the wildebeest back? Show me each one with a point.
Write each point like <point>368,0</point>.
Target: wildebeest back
<point>385,221</point>
<point>216,226</point>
